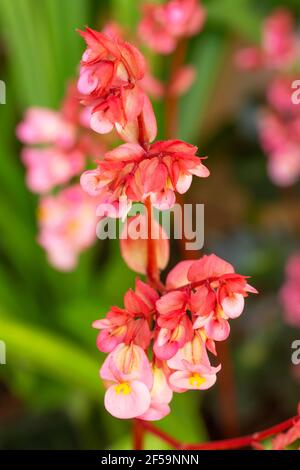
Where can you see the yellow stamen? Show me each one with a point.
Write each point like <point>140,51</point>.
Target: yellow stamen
<point>196,380</point>
<point>123,388</point>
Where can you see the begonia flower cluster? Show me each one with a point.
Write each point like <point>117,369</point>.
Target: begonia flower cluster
<point>158,344</point>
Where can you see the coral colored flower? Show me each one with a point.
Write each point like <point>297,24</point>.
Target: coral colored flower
<point>67,226</point>
<point>210,291</point>
<point>133,243</point>
<point>128,374</point>
<point>192,367</point>
<point>290,291</point>
<point>131,324</point>
<point>134,172</point>
<point>175,327</point>
<point>161,395</point>
<point>109,74</point>
<point>163,25</point>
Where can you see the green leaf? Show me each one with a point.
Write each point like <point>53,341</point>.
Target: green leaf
<point>207,56</point>
<point>51,355</point>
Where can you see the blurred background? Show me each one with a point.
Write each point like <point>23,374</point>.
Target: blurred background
<point>50,394</point>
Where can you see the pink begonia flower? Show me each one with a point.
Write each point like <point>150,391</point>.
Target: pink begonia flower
<point>161,395</point>
<point>50,166</point>
<point>163,25</point>
<point>109,74</point>
<point>279,127</point>
<point>192,367</point>
<point>44,126</point>
<point>67,226</point>
<point>211,291</point>
<point>131,324</point>
<point>174,326</point>
<point>134,172</point>
<point>57,143</point>
<point>129,377</point>
<point>134,240</point>
<point>279,47</point>
<point>290,291</point>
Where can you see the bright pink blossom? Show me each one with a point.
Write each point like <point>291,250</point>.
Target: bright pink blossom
<point>67,226</point>
<point>131,324</point>
<point>135,172</point>
<point>161,395</point>
<point>163,25</point>
<point>191,367</point>
<point>128,374</point>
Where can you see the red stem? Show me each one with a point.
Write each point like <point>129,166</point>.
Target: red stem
<point>138,435</point>
<point>226,444</point>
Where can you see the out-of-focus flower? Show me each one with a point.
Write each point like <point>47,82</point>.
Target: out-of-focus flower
<point>182,81</point>
<point>290,291</point>
<point>279,46</point>
<point>163,25</point>
<point>67,226</point>
<point>279,126</point>
<point>134,172</point>
<point>57,143</point>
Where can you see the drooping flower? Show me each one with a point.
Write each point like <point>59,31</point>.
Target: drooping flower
<point>163,25</point>
<point>137,173</point>
<point>128,374</point>
<point>192,369</point>
<point>161,395</point>
<point>67,226</point>
<point>109,74</point>
<point>131,324</point>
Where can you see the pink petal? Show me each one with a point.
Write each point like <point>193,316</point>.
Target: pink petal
<point>134,251</point>
<point>181,380</point>
<point>100,124</point>
<point>183,183</point>
<point>217,330</point>
<point>233,305</point>
<point>130,405</point>
<point>177,277</point>
<point>125,152</point>
<point>156,412</point>
<point>209,266</point>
